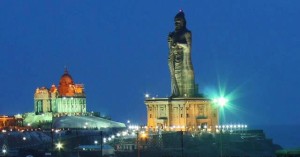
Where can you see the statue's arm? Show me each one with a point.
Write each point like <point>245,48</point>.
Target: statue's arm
<point>188,37</point>
<point>170,40</point>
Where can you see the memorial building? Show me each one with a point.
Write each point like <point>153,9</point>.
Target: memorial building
<point>67,98</point>
<point>185,109</point>
<point>64,106</point>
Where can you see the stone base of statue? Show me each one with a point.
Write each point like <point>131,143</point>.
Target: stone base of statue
<point>181,114</point>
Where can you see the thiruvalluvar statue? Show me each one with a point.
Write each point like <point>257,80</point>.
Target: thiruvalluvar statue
<point>180,64</point>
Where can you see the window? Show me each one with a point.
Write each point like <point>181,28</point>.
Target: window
<point>187,115</point>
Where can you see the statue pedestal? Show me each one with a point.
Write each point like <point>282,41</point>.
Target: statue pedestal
<point>186,114</point>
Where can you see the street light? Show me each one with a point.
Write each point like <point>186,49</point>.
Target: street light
<point>144,135</point>
<point>4,151</point>
<point>221,101</point>
<point>59,146</point>
<point>104,140</point>
<point>147,95</point>
<point>140,135</point>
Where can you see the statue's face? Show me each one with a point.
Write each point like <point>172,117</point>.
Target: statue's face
<point>179,24</point>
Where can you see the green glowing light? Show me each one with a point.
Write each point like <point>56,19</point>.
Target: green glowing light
<point>221,101</point>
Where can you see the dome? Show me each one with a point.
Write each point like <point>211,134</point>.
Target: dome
<point>65,85</point>
<point>66,79</point>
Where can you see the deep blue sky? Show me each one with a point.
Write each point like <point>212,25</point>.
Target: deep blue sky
<point>118,50</point>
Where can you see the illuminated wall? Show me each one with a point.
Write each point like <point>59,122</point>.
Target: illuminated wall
<point>181,114</point>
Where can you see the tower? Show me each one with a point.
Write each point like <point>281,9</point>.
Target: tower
<point>185,109</point>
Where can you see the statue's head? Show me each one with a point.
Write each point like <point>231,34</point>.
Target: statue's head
<point>180,22</point>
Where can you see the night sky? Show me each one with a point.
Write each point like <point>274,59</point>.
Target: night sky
<point>249,51</point>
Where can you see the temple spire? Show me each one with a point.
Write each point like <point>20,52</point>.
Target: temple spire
<point>66,70</point>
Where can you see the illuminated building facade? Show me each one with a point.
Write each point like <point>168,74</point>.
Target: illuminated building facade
<point>66,99</point>
<point>187,114</point>
<point>10,121</point>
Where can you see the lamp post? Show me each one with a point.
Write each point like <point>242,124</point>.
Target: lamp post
<point>137,143</point>
<point>4,150</point>
<point>101,142</point>
<point>52,129</point>
<point>221,103</point>
<point>59,147</point>
<point>181,139</point>
<point>139,136</point>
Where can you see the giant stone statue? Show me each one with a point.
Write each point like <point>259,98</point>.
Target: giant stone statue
<point>180,64</point>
